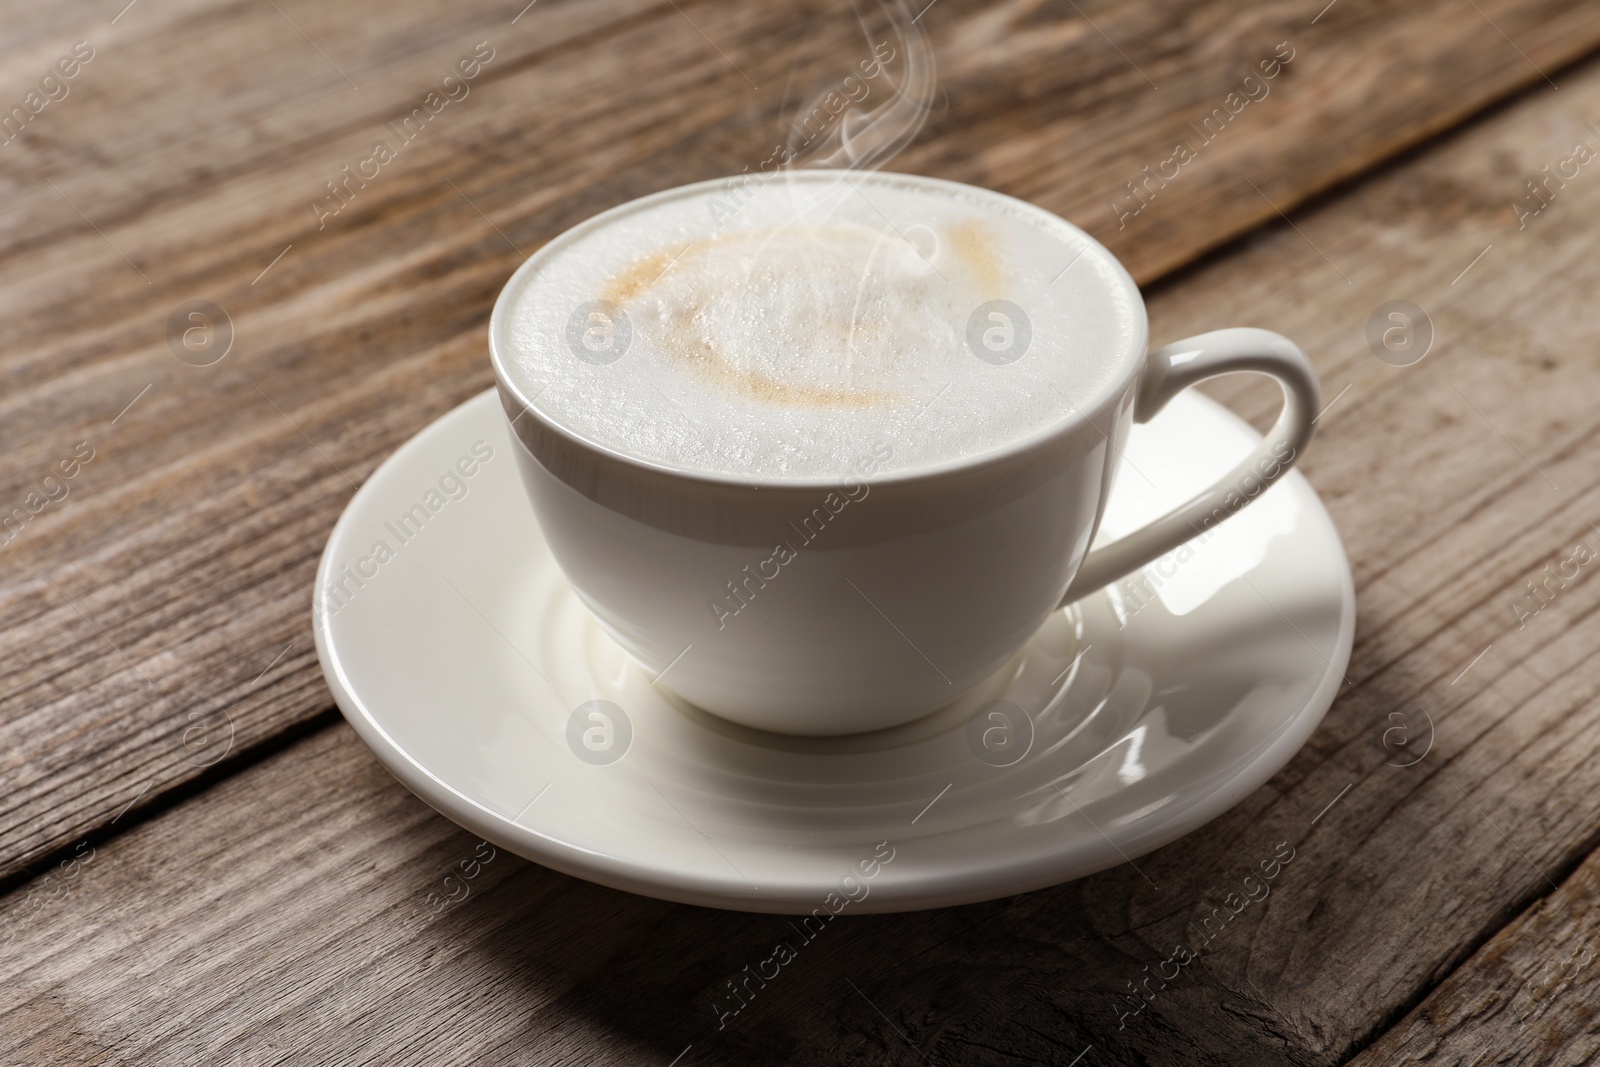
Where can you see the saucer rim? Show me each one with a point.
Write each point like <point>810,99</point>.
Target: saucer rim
<point>949,888</point>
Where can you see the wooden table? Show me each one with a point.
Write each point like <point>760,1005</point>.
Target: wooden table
<point>201,864</point>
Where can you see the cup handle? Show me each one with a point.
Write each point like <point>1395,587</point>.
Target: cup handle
<point>1168,372</point>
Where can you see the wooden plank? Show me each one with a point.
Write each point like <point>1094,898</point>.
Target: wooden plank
<point>347,874</point>
<point>1455,482</point>
<point>185,158</point>
<point>1529,996</point>
<point>1405,857</point>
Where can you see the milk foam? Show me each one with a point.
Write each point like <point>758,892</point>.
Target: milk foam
<point>788,331</point>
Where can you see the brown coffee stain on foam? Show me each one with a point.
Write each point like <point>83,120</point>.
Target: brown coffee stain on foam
<point>973,243</point>
<point>639,277</point>
<point>970,242</point>
<point>757,386</point>
<point>705,361</point>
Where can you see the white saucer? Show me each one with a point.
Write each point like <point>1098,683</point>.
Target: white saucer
<point>466,663</point>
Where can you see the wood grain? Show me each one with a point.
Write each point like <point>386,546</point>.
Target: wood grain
<point>271,915</point>
<point>158,613</point>
<point>1528,996</point>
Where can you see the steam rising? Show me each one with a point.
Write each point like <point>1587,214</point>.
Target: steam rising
<point>867,138</point>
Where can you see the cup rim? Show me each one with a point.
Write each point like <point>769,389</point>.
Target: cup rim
<point>1132,359</point>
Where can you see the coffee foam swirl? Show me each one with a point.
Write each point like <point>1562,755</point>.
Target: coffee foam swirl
<point>818,324</point>
<point>831,316</point>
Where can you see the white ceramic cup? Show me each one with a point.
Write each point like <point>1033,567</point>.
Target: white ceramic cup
<point>938,578</point>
